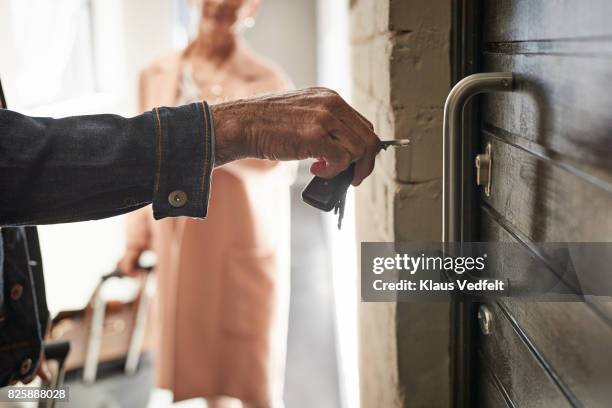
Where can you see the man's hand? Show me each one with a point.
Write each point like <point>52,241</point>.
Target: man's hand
<point>309,123</point>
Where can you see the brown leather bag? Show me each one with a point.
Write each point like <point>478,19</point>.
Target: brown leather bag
<point>104,331</point>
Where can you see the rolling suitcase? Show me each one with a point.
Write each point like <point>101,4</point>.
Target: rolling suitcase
<point>107,365</point>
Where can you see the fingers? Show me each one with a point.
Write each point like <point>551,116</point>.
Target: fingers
<point>313,122</point>
<point>338,156</point>
<point>365,164</point>
<point>364,167</point>
<point>355,134</point>
<point>335,160</point>
<point>332,165</point>
<point>318,168</point>
<point>43,371</point>
<point>361,131</point>
<point>124,267</point>
<point>128,265</point>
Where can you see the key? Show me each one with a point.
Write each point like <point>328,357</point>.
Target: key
<point>330,194</point>
<point>325,194</point>
<point>340,210</point>
<point>385,144</point>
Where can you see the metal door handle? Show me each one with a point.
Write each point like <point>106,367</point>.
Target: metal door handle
<point>484,168</point>
<point>453,143</point>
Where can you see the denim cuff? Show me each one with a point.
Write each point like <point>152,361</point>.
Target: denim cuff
<point>184,160</point>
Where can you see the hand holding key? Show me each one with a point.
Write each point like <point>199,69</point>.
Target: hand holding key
<point>330,194</point>
<point>309,123</point>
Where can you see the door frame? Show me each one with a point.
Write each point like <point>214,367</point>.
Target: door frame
<point>465,60</point>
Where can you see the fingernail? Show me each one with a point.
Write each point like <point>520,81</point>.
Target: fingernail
<point>317,166</point>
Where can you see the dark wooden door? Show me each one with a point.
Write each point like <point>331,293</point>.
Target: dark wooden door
<point>552,182</point>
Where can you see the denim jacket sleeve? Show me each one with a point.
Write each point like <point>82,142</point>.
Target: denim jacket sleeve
<point>90,167</point>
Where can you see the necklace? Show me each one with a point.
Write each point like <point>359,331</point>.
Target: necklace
<point>216,89</point>
<point>215,80</point>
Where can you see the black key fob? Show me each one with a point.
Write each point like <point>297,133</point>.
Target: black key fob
<point>324,194</point>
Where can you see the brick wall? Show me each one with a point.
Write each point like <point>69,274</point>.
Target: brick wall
<point>401,75</point>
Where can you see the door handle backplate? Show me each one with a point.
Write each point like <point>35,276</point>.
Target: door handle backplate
<point>484,166</point>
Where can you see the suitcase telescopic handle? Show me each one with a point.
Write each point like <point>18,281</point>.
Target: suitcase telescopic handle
<point>92,352</point>
<point>56,350</point>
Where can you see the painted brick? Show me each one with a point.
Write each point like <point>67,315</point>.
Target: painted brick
<point>378,354</point>
<point>417,208</point>
<point>423,375</point>
<point>401,76</point>
<point>419,69</point>
<point>381,48</point>
<point>360,65</point>
<point>416,15</point>
<point>381,16</point>
<point>422,161</point>
<point>367,106</point>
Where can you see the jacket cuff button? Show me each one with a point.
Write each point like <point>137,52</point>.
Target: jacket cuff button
<point>177,198</point>
<point>16,292</point>
<point>25,366</point>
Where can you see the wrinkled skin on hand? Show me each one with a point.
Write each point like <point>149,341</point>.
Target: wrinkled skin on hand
<point>308,123</point>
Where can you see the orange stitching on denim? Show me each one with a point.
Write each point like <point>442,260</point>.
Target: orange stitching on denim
<point>159,150</point>
<point>20,344</point>
<point>206,135</point>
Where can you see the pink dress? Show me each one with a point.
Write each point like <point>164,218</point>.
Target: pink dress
<point>223,282</point>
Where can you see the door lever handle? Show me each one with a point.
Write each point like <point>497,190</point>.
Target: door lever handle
<point>454,144</point>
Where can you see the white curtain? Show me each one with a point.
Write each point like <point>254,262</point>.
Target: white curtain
<point>54,50</point>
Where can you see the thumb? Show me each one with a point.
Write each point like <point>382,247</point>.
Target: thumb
<point>327,168</point>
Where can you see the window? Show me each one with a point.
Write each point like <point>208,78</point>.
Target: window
<point>55,51</point>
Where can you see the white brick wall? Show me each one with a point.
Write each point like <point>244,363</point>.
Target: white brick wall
<point>401,76</point>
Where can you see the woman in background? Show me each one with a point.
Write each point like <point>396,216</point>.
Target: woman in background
<point>222,283</point>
